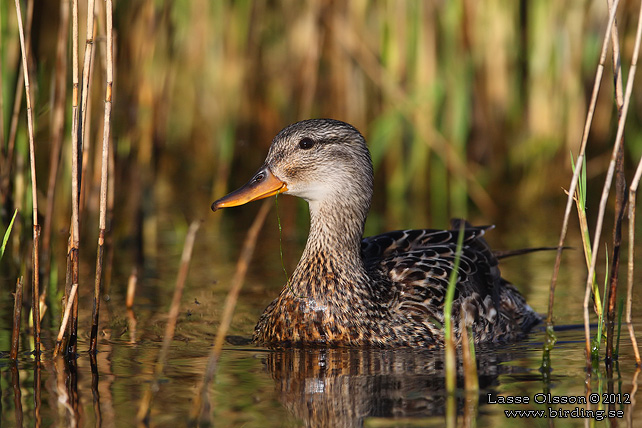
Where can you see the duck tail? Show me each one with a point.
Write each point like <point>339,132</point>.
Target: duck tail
<point>510,253</point>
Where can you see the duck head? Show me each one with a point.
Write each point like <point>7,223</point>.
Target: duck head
<point>323,161</point>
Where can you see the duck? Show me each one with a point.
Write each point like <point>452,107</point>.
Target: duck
<point>386,290</point>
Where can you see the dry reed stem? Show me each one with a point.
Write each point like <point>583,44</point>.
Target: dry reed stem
<point>579,163</point>
<point>17,311</point>
<point>110,209</point>
<point>617,63</point>
<point>103,179</point>
<point>34,189</point>
<point>145,406</point>
<point>620,196</point>
<point>629,291</point>
<point>87,64</point>
<point>228,309</point>
<point>65,319</point>
<point>609,179</point>
<point>85,119</point>
<point>75,142</point>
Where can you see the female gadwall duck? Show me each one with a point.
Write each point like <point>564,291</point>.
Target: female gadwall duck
<point>385,290</point>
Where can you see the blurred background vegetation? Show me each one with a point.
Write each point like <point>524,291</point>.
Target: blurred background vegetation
<point>470,109</point>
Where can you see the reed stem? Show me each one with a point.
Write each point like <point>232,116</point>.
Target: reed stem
<point>57,134</point>
<point>451,361</point>
<point>609,178</point>
<point>629,290</point>
<point>578,167</point>
<point>34,189</point>
<point>75,185</point>
<point>65,319</point>
<point>17,311</point>
<point>620,196</point>
<point>103,180</point>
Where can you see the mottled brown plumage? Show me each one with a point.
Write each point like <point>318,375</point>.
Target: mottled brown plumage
<point>385,290</point>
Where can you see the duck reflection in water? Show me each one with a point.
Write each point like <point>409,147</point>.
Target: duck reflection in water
<point>342,387</point>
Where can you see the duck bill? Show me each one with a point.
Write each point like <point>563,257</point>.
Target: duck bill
<point>263,185</point>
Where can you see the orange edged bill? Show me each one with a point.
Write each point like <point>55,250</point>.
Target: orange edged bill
<point>263,185</point>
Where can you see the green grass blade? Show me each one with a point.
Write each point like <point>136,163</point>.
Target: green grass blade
<point>7,233</point>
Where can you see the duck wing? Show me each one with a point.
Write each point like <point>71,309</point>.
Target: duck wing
<point>416,266</point>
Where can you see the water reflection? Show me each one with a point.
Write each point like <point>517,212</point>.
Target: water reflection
<point>344,387</point>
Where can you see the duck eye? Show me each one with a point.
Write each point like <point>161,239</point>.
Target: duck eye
<point>306,143</point>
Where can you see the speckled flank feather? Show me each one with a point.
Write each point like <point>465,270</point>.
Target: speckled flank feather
<point>400,301</point>
<point>385,290</point>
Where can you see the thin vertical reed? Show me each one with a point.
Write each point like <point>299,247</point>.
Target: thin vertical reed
<point>103,179</point>
<point>609,178</point>
<point>75,188</point>
<point>449,340</point>
<point>17,311</point>
<point>86,116</point>
<point>65,319</point>
<point>87,64</point>
<point>110,212</point>
<point>34,189</point>
<point>145,406</point>
<point>578,166</point>
<point>629,291</point>
<point>228,309</point>
<point>620,195</point>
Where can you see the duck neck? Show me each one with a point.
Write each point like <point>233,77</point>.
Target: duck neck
<point>332,258</point>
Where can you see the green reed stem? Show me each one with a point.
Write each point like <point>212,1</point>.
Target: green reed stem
<point>580,202</point>
<point>451,369</point>
<point>600,324</point>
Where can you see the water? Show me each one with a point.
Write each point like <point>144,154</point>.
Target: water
<point>257,387</point>
<point>327,387</point>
